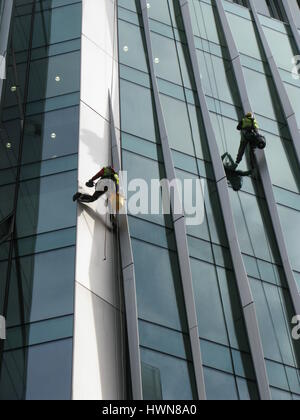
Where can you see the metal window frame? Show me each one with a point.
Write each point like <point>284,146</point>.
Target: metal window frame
<point>243,284</point>
<point>178,221</point>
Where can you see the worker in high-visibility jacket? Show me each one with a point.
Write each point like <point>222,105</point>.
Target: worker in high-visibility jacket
<point>107,175</point>
<point>249,133</point>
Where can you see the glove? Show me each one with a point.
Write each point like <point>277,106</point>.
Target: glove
<point>90,184</point>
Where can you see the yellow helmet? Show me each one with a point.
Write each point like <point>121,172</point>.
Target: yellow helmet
<point>250,115</point>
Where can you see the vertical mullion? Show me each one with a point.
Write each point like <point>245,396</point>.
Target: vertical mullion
<point>243,284</point>
<point>129,282</point>
<point>178,221</point>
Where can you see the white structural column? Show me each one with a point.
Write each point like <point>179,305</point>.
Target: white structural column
<point>246,297</point>
<point>178,220</point>
<point>98,362</point>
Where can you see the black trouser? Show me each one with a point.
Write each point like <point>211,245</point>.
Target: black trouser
<point>244,143</point>
<point>86,198</point>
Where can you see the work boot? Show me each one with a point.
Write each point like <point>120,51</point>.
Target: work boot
<point>76,196</point>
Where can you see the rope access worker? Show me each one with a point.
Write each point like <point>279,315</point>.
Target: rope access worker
<point>249,135</point>
<point>106,175</point>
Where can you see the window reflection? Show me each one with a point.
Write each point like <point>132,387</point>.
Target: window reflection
<point>169,376</point>
<point>50,135</point>
<point>45,376</point>
<point>47,283</point>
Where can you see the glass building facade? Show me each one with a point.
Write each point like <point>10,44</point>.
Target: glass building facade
<point>167,368</point>
<point>38,174</point>
<point>164,123</point>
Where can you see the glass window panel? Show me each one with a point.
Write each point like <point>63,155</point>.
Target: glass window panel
<point>178,125</point>
<point>198,133</point>
<point>278,395</point>
<point>159,292</point>
<point>9,143</point>
<point>39,332</point>
<point>6,205</point>
<point>277,375</point>
<point>293,379</point>
<point>142,147</point>
<point>3,268</point>
<point>282,311</point>
<point>290,222</point>
<point>50,25</point>
<point>294,93</point>
<point>201,14</point>
<point>47,284</point>
<point>49,167</point>
<point>243,365</point>
<point>50,135</point>
<point>129,4</point>
<point>216,356</point>
<point>220,386</point>
<point>165,340</point>
<point>45,204</point>
<point>152,233</point>
<point>279,154</point>
<point>139,168</point>
<point>287,198</point>
<point>132,47</point>
<point>200,249</point>
<point>42,372</point>
<point>254,230</point>
<point>47,241</point>
<point>159,10</point>
<point>54,76</point>
<point>244,34</point>
<point>207,296</point>
<point>232,309</point>
<point>217,78</point>
<point>273,309</point>
<point>266,104</point>
<point>165,58</point>
<point>247,390</point>
<point>174,375</point>
<point>282,47</point>
<point>137,110</point>
<point>151,383</point>
<point>212,227</point>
